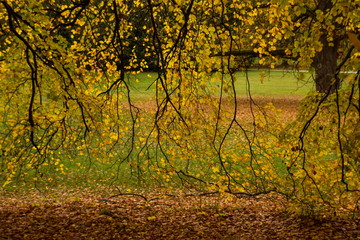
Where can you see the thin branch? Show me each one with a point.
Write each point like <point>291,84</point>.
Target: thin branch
<point>251,53</point>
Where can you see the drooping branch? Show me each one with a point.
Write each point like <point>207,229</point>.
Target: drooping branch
<point>251,53</point>
<point>68,21</point>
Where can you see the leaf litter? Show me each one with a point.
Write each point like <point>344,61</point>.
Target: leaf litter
<point>90,215</point>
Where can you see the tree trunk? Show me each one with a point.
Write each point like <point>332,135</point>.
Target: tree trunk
<point>325,63</point>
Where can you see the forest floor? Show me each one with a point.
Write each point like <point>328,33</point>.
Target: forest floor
<point>88,215</point>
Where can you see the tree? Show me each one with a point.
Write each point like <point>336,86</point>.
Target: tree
<point>314,33</point>
<point>67,93</point>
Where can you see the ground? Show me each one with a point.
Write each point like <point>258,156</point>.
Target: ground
<point>88,215</point>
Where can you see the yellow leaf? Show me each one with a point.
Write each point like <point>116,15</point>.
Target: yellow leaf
<point>354,39</point>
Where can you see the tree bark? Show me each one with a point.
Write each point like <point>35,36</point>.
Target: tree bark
<point>325,61</point>
<point>325,64</point>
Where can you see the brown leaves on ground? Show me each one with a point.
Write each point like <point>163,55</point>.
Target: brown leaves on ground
<point>163,217</point>
<point>288,106</point>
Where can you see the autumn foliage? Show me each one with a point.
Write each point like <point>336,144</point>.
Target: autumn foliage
<point>68,71</point>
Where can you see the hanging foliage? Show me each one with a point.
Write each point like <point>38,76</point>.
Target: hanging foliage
<point>68,71</point>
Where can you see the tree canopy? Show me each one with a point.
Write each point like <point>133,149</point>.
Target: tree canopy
<point>66,93</point>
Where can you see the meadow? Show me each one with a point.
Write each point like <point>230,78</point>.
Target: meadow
<point>269,84</point>
<point>76,167</point>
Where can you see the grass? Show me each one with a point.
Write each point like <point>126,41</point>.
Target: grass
<point>266,84</point>
<point>274,84</point>
<point>262,83</point>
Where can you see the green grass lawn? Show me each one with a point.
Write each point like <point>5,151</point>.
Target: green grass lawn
<point>262,83</point>
<point>266,84</point>
<point>274,83</point>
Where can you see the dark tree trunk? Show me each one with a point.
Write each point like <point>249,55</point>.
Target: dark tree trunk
<point>325,61</point>
<point>325,64</point>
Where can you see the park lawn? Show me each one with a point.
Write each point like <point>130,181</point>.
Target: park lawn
<point>274,84</point>
<point>278,84</point>
<point>279,87</point>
